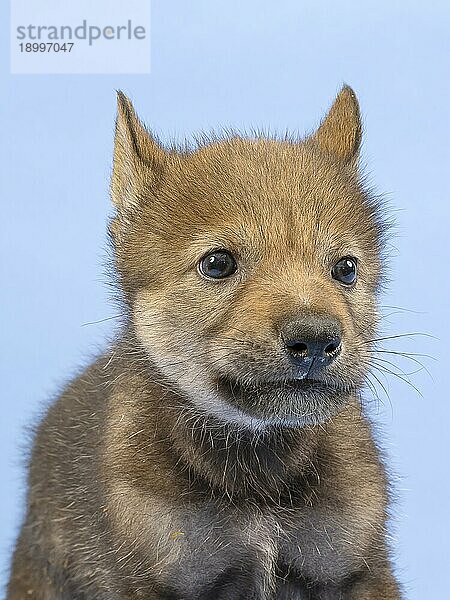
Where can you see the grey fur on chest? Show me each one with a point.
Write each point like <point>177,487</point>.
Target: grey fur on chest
<point>250,553</point>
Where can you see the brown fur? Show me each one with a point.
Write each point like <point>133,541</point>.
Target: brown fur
<point>183,464</point>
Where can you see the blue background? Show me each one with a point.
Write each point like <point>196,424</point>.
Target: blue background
<point>271,64</point>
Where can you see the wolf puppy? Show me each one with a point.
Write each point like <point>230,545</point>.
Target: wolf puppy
<point>218,450</point>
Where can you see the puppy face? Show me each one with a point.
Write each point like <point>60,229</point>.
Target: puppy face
<point>250,267</point>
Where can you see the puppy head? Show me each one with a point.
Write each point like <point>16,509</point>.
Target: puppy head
<point>250,266</point>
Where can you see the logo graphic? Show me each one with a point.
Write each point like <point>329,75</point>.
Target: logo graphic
<point>62,36</point>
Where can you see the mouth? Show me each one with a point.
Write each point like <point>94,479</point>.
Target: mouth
<point>300,386</point>
<point>303,400</point>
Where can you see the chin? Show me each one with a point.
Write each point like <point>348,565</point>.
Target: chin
<point>290,403</point>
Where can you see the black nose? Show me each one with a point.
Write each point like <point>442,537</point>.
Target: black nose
<point>312,341</point>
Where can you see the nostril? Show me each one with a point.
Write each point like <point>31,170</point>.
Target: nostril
<point>297,347</point>
<point>312,340</point>
<point>333,347</point>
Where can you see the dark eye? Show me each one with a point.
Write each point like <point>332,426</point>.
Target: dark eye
<point>345,270</point>
<point>218,264</point>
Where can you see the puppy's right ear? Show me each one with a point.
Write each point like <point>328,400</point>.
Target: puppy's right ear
<point>138,158</point>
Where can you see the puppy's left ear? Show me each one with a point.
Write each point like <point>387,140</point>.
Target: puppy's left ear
<point>340,132</point>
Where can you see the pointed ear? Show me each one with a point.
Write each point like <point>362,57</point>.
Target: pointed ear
<point>137,155</point>
<point>340,131</point>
